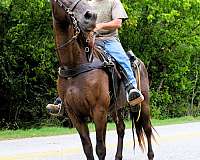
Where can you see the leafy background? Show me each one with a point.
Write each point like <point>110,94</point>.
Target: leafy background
<point>164,34</point>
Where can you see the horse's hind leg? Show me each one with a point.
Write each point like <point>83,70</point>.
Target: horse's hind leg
<point>120,132</point>
<point>148,132</point>
<point>146,123</point>
<point>83,131</point>
<point>100,120</point>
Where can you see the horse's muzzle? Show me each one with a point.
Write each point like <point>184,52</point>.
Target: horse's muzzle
<point>88,23</point>
<point>90,15</point>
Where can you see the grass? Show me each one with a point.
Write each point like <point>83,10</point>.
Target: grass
<point>52,131</point>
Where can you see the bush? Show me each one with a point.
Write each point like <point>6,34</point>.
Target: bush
<point>27,61</point>
<point>165,35</point>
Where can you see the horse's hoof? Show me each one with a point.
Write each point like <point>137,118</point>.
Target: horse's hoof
<point>118,158</point>
<point>150,155</point>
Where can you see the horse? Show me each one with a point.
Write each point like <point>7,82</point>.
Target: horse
<point>86,94</point>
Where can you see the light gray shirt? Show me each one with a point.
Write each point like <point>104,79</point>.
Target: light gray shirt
<point>108,10</point>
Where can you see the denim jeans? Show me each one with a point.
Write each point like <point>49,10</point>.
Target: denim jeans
<point>114,48</point>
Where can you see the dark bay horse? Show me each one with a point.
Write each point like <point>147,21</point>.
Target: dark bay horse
<point>87,94</point>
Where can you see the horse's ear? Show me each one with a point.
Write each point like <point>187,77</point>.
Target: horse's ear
<point>52,5</point>
<point>53,2</point>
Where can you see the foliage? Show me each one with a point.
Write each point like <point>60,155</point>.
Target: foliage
<point>164,34</point>
<point>27,61</point>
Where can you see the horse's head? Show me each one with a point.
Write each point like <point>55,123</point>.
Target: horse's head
<point>74,11</point>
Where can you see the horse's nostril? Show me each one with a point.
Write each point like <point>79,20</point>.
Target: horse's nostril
<point>88,15</point>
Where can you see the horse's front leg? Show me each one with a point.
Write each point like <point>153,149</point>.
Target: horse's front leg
<point>100,120</point>
<point>120,132</point>
<point>83,131</point>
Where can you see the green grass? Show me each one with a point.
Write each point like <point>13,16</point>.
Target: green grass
<point>52,131</point>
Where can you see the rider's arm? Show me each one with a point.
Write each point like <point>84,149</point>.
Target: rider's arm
<point>114,24</point>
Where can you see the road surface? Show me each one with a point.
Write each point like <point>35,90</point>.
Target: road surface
<point>175,142</point>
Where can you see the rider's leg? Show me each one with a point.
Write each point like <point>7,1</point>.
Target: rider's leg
<point>115,49</point>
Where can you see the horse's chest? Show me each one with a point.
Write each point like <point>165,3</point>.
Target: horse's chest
<point>76,93</point>
<point>84,90</point>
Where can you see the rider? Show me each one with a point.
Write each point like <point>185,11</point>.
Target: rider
<point>110,15</point>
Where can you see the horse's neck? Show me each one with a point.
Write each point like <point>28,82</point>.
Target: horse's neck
<point>72,53</point>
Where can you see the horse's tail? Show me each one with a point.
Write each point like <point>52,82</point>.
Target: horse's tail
<point>137,126</point>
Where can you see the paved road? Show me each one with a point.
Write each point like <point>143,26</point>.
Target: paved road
<point>175,142</point>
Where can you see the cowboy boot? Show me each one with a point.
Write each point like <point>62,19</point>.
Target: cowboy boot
<point>134,96</point>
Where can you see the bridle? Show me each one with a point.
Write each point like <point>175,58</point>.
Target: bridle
<point>69,11</point>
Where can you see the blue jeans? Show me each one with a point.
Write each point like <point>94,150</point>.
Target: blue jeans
<point>114,48</point>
